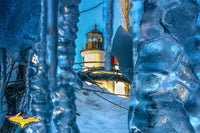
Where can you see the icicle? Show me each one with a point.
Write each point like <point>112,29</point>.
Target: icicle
<point>3,84</point>
<point>109,33</point>
<point>136,13</point>
<point>41,104</point>
<point>52,46</point>
<point>52,41</point>
<point>198,19</point>
<point>64,114</point>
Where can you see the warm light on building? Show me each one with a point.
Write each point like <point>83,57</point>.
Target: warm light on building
<point>94,63</point>
<point>93,58</point>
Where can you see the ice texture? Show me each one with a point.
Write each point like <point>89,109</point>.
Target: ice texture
<point>38,81</point>
<point>122,43</point>
<point>40,100</point>
<point>136,13</point>
<point>109,33</point>
<point>198,19</point>
<point>3,84</point>
<point>64,113</point>
<point>164,81</point>
<point>123,47</point>
<point>165,85</point>
<point>19,27</point>
<point>193,53</point>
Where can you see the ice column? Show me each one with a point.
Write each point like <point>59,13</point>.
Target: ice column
<point>3,83</point>
<point>136,13</point>
<point>198,19</point>
<point>41,104</point>
<point>64,114</point>
<point>163,80</point>
<point>109,33</point>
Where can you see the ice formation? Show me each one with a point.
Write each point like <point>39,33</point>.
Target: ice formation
<point>18,31</point>
<point>19,27</point>
<point>47,99</point>
<point>3,84</point>
<point>38,82</point>
<point>109,32</point>
<point>136,13</point>
<point>165,88</point>
<point>122,43</point>
<point>64,114</point>
<point>193,107</point>
<point>163,64</point>
<point>56,101</point>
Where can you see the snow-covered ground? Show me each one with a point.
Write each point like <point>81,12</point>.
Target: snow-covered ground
<point>98,115</point>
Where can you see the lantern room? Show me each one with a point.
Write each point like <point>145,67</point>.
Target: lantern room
<point>94,39</point>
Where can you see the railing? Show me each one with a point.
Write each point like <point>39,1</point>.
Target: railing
<point>115,67</point>
<point>92,45</point>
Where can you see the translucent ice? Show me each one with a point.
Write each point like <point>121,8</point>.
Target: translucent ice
<point>163,80</point>
<point>122,43</point>
<point>19,27</point>
<point>3,84</point>
<point>109,32</point>
<point>164,87</point>
<point>136,13</point>
<point>64,114</point>
<point>193,106</point>
<point>38,81</point>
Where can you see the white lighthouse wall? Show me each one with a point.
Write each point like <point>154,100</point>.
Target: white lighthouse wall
<point>92,58</point>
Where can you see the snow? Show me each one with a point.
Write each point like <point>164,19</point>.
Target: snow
<point>98,115</point>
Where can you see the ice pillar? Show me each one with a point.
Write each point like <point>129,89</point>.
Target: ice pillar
<point>41,104</point>
<point>64,114</point>
<point>109,33</point>
<point>198,19</point>
<point>3,84</point>
<point>136,13</point>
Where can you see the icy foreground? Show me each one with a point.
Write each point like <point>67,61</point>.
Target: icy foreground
<point>19,27</point>
<point>165,85</point>
<point>98,115</point>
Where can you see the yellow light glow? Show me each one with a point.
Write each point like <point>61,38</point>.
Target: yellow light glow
<point>182,93</point>
<point>35,59</point>
<point>65,9</point>
<point>59,32</point>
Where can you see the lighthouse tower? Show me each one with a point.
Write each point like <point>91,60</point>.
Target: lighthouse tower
<point>93,54</point>
<point>93,66</point>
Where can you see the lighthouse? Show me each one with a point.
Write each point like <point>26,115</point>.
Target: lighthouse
<point>93,66</point>
<point>93,54</point>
